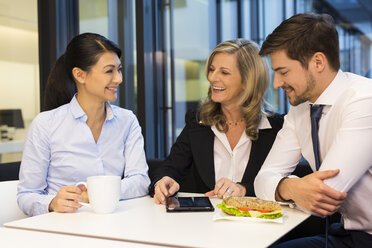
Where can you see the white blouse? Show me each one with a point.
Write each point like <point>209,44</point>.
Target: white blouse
<point>229,163</point>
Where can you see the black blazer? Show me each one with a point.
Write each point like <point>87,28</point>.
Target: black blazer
<point>191,161</point>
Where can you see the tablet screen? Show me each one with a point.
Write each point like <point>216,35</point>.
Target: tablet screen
<point>180,204</point>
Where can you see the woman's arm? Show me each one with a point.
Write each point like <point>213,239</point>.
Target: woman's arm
<point>32,197</point>
<point>136,180</point>
<point>177,164</point>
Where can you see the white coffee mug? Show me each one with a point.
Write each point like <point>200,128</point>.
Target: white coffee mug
<point>103,193</point>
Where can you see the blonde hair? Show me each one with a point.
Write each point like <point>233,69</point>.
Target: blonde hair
<point>254,71</point>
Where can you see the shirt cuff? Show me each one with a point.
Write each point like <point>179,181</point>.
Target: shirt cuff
<point>45,202</point>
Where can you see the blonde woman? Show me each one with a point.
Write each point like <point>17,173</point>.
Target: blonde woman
<point>225,142</point>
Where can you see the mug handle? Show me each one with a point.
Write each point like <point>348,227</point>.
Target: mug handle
<point>85,184</point>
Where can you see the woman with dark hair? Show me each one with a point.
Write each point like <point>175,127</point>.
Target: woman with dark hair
<point>81,134</point>
<point>224,143</point>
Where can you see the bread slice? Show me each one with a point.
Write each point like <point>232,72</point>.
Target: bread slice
<point>252,203</point>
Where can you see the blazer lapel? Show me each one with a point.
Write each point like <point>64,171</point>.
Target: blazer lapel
<point>202,142</point>
<point>259,150</point>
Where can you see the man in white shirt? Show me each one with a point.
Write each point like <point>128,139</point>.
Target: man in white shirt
<point>304,55</point>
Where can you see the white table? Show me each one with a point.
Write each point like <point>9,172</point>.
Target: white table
<point>11,238</point>
<point>142,221</point>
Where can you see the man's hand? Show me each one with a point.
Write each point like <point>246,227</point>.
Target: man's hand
<point>163,188</point>
<point>311,193</point>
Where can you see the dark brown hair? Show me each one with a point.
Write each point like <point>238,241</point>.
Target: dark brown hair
<point>302,35</point>
<point>83,51</point>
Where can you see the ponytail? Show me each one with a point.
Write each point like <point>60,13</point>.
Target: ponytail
<point>82,52</point>
<point>60,87</point>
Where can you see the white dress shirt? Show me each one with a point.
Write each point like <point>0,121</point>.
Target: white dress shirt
<point>345,143</point>
<point>230,163</point>
<point>60,150</point>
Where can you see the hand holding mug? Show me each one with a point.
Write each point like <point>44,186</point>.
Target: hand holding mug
<point>84,193</point>
<point>66,200</point>
<point>103,193</point>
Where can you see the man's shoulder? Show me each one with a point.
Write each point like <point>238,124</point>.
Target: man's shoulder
<point>359,87</point>
<point>356,78</point>
<point>356,81</point>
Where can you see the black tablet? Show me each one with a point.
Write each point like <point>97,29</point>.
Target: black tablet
<point>189,204</point>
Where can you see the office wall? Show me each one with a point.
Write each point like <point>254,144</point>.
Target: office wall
<point>19,63</point>
<point>19,70</point>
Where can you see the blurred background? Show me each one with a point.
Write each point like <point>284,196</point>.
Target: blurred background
<point>165,44</point>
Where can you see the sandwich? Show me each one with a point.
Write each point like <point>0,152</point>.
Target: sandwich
<point>251,207</point>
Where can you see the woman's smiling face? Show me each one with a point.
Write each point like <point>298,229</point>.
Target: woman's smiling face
<point>103,79</point>
<point>225,79</point>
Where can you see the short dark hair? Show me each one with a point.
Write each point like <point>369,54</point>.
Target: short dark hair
<point>302,35</point>
<point>83,51</point>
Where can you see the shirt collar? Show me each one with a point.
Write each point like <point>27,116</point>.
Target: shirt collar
<point>264,123</point>
<point>330,95</point>
<point>78,112</point>
<point>110,113</point>
<point>76,109</point>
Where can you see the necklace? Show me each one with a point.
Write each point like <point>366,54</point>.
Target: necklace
<point>234,123</point>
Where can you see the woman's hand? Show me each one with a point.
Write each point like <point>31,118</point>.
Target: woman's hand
<point>225,187</point>
<point>165,187</point>
<point>66,200</point>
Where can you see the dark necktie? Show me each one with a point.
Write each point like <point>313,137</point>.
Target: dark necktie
<point>315,114</point>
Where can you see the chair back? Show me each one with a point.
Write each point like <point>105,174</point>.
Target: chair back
<point>9,207</point>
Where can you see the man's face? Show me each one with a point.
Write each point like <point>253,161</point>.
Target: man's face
<point>298,83</point>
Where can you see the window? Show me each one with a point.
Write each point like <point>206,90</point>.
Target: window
<point>196,26</point>
<point>165,45</point>
<point>191,44</point>
<point>93,16</point>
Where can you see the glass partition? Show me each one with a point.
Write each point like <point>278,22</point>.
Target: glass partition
<point>93,16</point>
<point>194,27</point>
<point>192,41</point>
